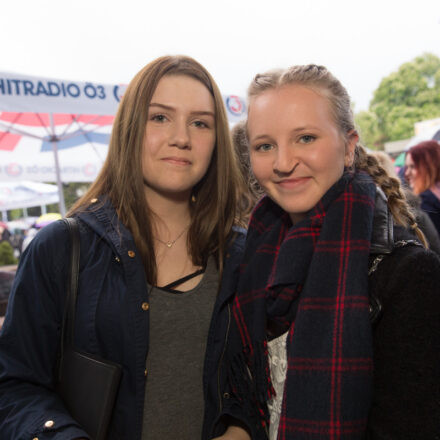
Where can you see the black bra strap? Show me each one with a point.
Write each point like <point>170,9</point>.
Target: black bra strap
<point>182,280</point>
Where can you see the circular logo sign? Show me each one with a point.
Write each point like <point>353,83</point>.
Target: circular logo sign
<point>118,91</point>
<point>13,169</point>
<point>235,105</point>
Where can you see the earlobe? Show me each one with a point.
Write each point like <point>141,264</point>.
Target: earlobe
<point>349,156</point>
<point>353,139</point>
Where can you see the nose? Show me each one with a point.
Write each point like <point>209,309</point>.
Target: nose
<point>285,160</point>
<point>180,135</point>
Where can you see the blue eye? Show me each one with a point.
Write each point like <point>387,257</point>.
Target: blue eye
<point>307,139</point>
<point>264,147</point>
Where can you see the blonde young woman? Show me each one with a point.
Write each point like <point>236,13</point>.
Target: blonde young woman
<point>156,236</point>
<point>337,311</point>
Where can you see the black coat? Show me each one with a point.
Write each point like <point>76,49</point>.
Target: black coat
<point>406,338</point>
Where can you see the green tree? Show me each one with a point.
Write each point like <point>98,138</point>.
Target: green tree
<point>6,254</point>
<point>72,192</point>
<point>404,97</point>
<point>368,128</point>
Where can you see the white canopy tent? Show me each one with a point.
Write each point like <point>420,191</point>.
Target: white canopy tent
<point>26,194</point>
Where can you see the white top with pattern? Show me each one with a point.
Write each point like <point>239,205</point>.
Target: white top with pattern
<point>278,369</point>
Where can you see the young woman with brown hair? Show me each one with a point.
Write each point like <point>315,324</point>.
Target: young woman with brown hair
<point>157,234</point>
<point>337,311</point>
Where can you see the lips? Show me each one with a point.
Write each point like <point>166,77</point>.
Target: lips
<point>176,160</point>
<point>293,183</point>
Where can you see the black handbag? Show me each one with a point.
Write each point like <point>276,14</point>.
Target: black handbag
<point>86,383</point>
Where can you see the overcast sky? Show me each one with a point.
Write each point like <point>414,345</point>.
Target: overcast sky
<point>109,41</point>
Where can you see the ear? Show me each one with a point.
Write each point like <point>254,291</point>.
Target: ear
<point>352,140</point>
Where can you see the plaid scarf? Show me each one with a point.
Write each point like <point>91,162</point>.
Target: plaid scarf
<point>311,279</point>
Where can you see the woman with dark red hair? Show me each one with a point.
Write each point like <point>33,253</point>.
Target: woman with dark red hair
<point>423,175</point>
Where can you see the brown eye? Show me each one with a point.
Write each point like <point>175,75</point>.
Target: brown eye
<point>200,124</point>
<point>158,118</point>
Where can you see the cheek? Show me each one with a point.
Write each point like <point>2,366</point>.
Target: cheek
<point>259,167</point>
<point>209,148</point>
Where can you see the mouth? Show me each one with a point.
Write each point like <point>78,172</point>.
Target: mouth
<point>173,160</point>
<point>293,182</point>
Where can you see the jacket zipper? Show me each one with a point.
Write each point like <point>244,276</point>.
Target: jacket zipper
<point>221,361</point>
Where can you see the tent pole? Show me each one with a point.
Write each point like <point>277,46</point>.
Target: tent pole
<point>57,168</point>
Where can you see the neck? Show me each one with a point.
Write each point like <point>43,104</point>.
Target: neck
<point>171,214</point>
<point>435,189</point>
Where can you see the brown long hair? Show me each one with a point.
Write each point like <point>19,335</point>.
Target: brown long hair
<point>322,81</point>
<point>216,208</point>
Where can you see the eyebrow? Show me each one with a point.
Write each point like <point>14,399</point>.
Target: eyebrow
<point>295,130</point>
<point>260,136</point>
<point>305,128</point>
<point>167,107</point>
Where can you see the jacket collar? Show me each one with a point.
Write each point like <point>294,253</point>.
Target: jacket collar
<point>382,239</point>
<point>102,218</point>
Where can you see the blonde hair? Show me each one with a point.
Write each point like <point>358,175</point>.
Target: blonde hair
<point>215,209</point>
<point>319,79</point>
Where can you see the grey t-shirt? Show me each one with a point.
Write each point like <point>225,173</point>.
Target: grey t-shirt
<point>179,324</point>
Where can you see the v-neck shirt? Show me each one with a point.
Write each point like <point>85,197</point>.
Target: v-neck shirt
<point>179,324</point>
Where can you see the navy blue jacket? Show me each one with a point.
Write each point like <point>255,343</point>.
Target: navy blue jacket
<point>110,322</point>
<point>431,205</point>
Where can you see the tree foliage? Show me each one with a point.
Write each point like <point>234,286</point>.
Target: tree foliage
<point>6,254</point>
<point>404,97</point>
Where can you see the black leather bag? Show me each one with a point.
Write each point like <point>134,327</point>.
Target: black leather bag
<point>86,383</point>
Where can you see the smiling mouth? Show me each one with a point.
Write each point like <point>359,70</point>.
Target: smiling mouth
<point>292,183</point>
<point>176,160</point>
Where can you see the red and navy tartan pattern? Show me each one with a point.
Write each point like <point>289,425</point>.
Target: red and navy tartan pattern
<point>312,278</point>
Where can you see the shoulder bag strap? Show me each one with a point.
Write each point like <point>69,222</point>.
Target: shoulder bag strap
<point>376,308</point>
<point>68,324</point>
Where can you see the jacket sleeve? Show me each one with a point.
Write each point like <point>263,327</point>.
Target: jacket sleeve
<point>406,398</point>
<point>29,340</point>
<point>222,406</point>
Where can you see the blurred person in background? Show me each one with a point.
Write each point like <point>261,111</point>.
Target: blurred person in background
<point>422,171</point>
<point>422,218</point>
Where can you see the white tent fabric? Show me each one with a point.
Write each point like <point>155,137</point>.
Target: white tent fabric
<point>25,194</point>
<point>27,150</point>
<point>24,93</point>
<point>32,94</point>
